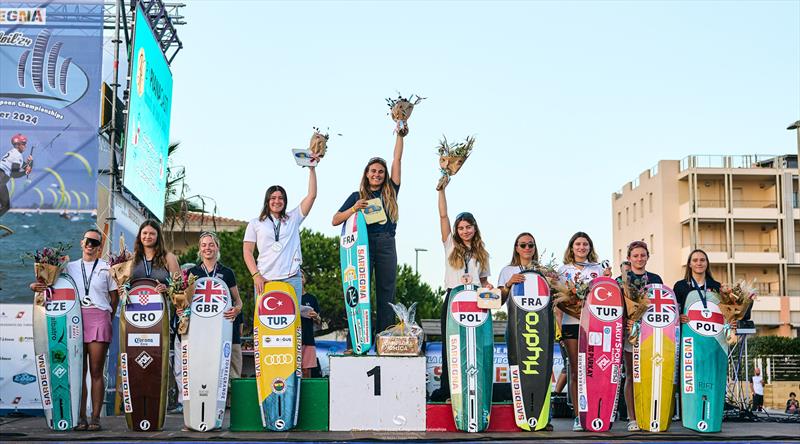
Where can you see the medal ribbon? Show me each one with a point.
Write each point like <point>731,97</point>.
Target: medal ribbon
<point>700,289</point>
<point>87,285</point>
<point>276,228</point>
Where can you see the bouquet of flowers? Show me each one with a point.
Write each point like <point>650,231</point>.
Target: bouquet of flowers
<point>452,157</point>
<point>47,265</point>
<point>121,266</point>
<point>180,291</point>
<point>636,302</point>
<point>319,143</point>
<point>734,301</point>
<point>567,296</point>
<point>400,110</point>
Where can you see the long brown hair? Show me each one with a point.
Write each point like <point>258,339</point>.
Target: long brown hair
<point>569,256</point>
<point>265,208</point>
<point>478,250</point>
<point>515,259</point>
<point>388,195</point>
<point>160,258</point>
<point>688,276</point>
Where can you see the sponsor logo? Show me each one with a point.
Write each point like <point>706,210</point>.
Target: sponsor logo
<point>20,314</point>
<point>210,298</point>
<point>32,16</point>
<point>143,359</point>
<point>59,371</point>
<point>61,301</point>
<point>606,339</point>
<point>277,310</point>
<point>185,368</point>
<point>687,360</point>
<point>597,424</point>
<point>582,403</point>
<point>279,424</point>
<point>654,425</point>
<point>595,338</point>
<point>615,376</point>
<point>531,295</point>
<point>454,355</point>
<point>278,385</point>
<point>349,273</point>
<point>464,309</point>
<point>706,321</point>
<point>62,424</point>
<point>145,307</point>
<point>637,377</point>
<point>662,310</point>
<point>270,341</point>
<point>144,425</point>
<point>226,350</point>
<point>256,353</point>
<point>516,395</point>
<point>702,426</point>
<point>224,372</point>
<point>44,381</point>
<point>363,274</point>
<point>23,378</point>
<point>603,362</point>
<point>126,387</point>
<point>278,358</point>
<point>202,426</point>
<point>351,297</point>
<point>144,340</point>
<point>532,348</point>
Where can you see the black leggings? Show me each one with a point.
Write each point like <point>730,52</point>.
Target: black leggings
<point>445,377</point>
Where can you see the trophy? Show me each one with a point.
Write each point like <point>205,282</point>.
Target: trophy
<point>452,157</point>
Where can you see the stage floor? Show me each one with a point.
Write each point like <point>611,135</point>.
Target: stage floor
<point>114,429</point>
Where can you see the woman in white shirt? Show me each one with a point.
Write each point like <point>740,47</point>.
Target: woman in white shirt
<point>580,265</point>
<point>99,299</point>
<point>276,234</point>
<point>466,262</point>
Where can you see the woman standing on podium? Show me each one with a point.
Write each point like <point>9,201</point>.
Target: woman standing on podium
<point>466,262</point>
<point>276,234</point>
<point>379,182</point>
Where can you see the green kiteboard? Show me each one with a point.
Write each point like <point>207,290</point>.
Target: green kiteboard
<point>469,346</point>
<point>704,363</point>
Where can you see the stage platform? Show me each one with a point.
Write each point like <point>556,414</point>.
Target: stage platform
<point>114,429</point>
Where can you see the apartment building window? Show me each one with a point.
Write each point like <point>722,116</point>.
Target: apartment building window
<point>619,220</point>
<point>627,216</point>
<point>634,211</point>
<point>651,244</point>
<point>641,208</point>
<point>650,199</point>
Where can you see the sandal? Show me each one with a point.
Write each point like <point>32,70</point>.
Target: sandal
<point>82,425</point>
<point>94,426</point>
<point>633,426</point>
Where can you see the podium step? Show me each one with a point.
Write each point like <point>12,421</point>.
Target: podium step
<point>246,416</point>
<point>440,418</point>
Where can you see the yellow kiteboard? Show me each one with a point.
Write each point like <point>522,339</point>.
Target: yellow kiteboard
<point>277,345</point>
<point>654,360</point>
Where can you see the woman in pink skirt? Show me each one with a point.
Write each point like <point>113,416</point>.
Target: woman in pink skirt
<point>99,299</point>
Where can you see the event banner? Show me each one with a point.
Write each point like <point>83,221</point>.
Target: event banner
<point>50,80</point>
<point>147,137</point>
<point>18,387</point>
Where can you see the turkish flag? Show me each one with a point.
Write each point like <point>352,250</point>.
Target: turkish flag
<point>276,303</point>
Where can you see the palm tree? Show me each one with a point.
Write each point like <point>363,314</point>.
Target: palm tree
<point>177,203</point>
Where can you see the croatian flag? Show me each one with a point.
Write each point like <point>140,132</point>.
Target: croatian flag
<point>144,300</point>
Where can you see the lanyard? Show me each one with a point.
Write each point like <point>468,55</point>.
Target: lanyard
<point>700,289</point>
<point>276,229</point>
<point>467,258</point>
<point>88,284</point>
<point>148,268</point>
<point>213,272</point>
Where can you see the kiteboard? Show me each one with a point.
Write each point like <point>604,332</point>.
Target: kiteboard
<point>58,349</point>
<point>654,356</point>
<point>277,348</point>
<point>144,356</point>
<point>206,356</point>
<point>470,356</point>
<point>5,231</point>
<point>304,158</point>
<point>354,258</point>
<point>704,363</point>
<point>530,354</point>
<point>600,354</point>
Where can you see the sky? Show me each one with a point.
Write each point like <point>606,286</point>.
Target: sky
<point>568,101</point>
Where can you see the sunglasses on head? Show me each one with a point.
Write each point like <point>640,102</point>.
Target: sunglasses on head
<point>92,242</point>
<point>526,245</point>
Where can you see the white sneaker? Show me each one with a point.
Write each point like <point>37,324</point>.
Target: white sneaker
<point>633,427</point>
<point>576,425</point>
<point>677,417</point>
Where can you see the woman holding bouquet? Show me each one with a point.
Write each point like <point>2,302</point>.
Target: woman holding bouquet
<point>276,234</point>
<point>637,278</point>
<point>466,262</point>
<point>580,267</point>
<point>379,182</point>
<point>99,300</point>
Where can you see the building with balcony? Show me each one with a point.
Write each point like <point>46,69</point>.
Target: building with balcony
<point>742,210</point>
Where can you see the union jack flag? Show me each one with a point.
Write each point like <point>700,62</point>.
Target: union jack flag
<point>212,291</point>
<point>662,301</point>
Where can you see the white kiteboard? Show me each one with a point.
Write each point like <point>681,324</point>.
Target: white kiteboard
<point>206,356</point>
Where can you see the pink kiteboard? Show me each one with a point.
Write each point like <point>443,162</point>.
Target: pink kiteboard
<point>599,354</point>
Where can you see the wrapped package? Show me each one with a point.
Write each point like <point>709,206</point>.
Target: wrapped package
<point>405,337</point>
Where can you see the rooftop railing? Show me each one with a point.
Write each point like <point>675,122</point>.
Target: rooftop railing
<point>743,161</point>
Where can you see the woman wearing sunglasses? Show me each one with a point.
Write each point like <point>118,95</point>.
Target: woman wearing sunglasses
<point>524,256</point>
<point>466,262</point>
<point>99,299</point>
<point>377,183</point>
<point>276,234</point>
<point>638,278</point>
<point>580,265</point>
